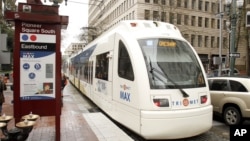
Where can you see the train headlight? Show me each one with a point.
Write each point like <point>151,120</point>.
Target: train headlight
<point>203,99</point>
<point>161,102</point>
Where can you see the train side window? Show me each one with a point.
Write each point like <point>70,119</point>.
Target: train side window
<point>125,69</point>
<point>88,68</point>
<point>102,65</point>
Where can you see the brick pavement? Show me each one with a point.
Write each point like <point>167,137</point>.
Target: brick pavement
<point>73,125</point>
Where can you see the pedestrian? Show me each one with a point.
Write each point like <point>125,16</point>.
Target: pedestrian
<point>2,88</point>
<point>63,84</point>
<point>63,81</point>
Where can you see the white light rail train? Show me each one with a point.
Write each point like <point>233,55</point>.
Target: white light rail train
<point>147,77</point>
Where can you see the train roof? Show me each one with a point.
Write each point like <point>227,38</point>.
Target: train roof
<point>142,29</point>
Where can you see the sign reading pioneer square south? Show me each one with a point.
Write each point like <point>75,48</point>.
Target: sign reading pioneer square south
<point>37,61</point>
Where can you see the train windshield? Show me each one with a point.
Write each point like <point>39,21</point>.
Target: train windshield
<point>171,64</point>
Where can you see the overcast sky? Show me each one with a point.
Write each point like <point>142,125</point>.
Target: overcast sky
<point>77,10</point>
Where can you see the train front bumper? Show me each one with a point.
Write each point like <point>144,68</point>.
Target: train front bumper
<point>176,124</point>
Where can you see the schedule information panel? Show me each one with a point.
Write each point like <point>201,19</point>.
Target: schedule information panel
<point>37,61</point>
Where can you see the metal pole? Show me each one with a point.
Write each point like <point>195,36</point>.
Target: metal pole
<point>232,39</point>
<point>0,41</point>
<point>219,73</point>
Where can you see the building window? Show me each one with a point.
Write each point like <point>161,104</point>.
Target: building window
<point>171,18</point>
<point>193,40</point>
<point>147,1</point>
<point>218,8</point>
<point>146,14</point>
<point>212,42</point>
<point>200,21</point>
<point>186,3</point>
<point>212,23</point>
<point>214,9</point>
<point>218,42</point>
<point>156,15</point>
<point>225,43</point>
<point>199,41</point>
<point>186,36</point>
<point>206,6</point>
<point>193,4</point>
<point>163,16</point>
<point>206,41</point>
<point>179,3</point>
<point>171,2</point>
<point>178,18</point>
<point>200,5</point>
<point>163,2</point>
<point>206,22</point>
<point>186,19</point>
<point>155,1</point>
<point>193,21</point>
<point>218,24</point>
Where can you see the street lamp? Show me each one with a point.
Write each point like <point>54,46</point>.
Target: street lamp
<point>233,15</point>
<point>220,45</point>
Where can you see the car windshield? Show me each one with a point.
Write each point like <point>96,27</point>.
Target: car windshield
<point>171,64</point>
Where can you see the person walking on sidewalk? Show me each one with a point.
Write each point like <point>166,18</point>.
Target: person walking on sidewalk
<point>63,81</point>
<point>63,84</point>
<point>2,88</point>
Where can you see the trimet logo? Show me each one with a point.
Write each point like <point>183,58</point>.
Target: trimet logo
<point>28,55</point>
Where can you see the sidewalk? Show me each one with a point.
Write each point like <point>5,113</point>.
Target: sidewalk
<point>77,123</point>
<point>73,125</point>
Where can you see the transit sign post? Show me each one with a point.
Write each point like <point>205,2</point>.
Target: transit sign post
<point>37,60</point>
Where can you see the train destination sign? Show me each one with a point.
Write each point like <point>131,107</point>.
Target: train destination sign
<point>166,43</point>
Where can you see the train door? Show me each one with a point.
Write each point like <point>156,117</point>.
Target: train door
<point>125,85</point>
<point>102,80</point>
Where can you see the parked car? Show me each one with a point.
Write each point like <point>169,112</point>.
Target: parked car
<point>226,72</point>
<point>230,97</point>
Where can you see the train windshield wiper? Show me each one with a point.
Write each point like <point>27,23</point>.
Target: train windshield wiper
<point>175,85</point>
<point>152,69</point>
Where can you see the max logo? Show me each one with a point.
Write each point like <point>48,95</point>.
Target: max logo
<point>28,55</point>
<point>125,96</point>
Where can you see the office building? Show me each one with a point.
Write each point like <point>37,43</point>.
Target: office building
<point>198,20</point>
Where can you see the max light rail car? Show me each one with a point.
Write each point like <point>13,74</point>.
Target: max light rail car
<point>147,77</point>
